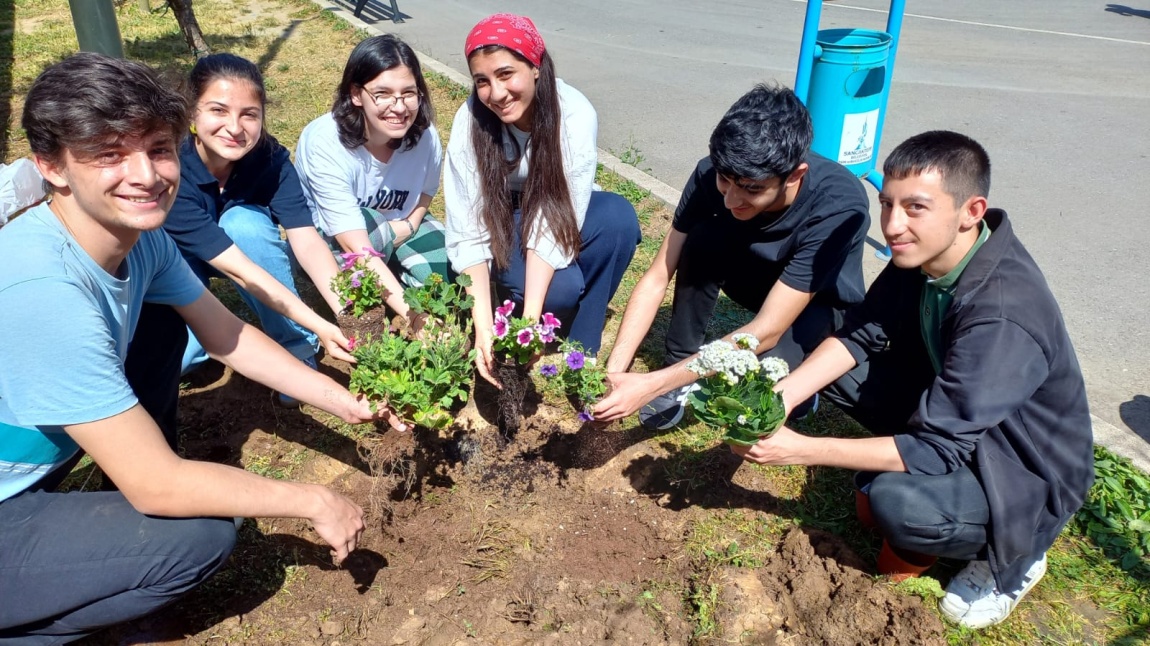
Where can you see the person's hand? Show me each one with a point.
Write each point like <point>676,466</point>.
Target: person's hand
<point>628,392</point>
<point>360,412</point>
<point>335,343</point>
<point>485,358</point>
<point>777,450</point>
<point>339,522</point>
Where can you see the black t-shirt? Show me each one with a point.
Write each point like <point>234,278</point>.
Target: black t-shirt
<point>264,178</point>
<point>813,246</point>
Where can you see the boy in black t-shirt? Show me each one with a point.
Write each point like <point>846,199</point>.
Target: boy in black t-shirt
<point>775,226</point>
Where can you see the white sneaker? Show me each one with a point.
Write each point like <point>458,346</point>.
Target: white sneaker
<point>972,600</point>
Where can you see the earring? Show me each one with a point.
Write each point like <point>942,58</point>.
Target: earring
<point>192,128</point>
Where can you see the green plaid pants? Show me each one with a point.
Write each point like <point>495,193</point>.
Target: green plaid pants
<point>419,256</point>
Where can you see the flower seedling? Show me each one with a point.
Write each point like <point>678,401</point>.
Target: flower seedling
<point>422,377</point>
<point>736,390</point>
<point>522,338</point>
<point>580,376</point>
<point>356,284</point>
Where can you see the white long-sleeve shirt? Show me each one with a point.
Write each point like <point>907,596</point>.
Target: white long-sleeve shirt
<point>468,241</point>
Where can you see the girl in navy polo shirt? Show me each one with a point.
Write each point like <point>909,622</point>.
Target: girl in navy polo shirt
<point>237,188</point>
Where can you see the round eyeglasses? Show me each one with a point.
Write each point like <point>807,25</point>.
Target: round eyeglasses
<point>384,100</point>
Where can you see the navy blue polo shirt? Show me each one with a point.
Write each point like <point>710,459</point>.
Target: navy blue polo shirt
<point>815,245</point>
<point>265,177</point>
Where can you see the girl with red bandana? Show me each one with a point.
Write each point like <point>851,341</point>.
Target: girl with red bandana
<point>523,214</point>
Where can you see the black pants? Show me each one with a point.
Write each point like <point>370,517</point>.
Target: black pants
<point>943,515</point>
<point>717,256</point>
<point>153,365</point>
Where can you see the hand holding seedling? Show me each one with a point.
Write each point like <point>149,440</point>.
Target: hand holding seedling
<point>628,392</point>
<point>782,448</point>
<point>335,343</point>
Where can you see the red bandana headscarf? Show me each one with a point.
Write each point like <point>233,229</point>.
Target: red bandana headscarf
<point>516,33</point>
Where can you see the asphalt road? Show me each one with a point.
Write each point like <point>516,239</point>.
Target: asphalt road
<point>1057,90</point>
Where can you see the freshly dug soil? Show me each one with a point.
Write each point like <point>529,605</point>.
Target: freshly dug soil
<point>372,323</point>
<point>568,534</point>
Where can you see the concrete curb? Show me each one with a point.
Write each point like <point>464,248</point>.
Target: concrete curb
<point>1122,442</point>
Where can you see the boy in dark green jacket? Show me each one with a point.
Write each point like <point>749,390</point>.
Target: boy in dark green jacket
<point>959,362</point>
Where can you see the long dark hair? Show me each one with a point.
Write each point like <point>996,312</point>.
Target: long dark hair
<point>369,59</point>
<point>214,67</point>
<point>545,193</point>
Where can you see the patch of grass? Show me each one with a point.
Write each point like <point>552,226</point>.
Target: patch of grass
<point>631,155</point>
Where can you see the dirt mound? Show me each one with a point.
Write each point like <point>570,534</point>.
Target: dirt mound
<point>569,534</point>
<point>816,591</point>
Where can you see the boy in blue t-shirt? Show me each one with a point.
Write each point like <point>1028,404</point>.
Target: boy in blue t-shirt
<point>76,276</point>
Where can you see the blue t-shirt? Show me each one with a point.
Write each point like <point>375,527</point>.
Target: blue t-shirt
<point>66,327</point>
<point>264,177</point>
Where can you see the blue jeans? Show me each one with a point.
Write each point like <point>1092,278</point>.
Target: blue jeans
<point>252,230</point>
<point>74,563</point>
<point>580,292</point>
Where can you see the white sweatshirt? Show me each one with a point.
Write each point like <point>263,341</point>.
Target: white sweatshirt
<point>468,241</point>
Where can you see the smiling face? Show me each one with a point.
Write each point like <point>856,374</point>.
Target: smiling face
<point>505,84</point>
<point>387,118</point>
<point>228,122</point>
<point>128,186</point>
<point>923,225</point>
<point>746,198</point>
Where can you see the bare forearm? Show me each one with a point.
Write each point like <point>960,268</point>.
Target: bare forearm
<point>637,319</point>
<point>318,263</point>
<point>480,292</point>
<point>536,284</point>
<point>196,489</point>
<point>394,290</point>
<point>859,454</point>
<point>823,367</point>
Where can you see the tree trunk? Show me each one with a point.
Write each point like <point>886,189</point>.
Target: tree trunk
<point>187,21</point>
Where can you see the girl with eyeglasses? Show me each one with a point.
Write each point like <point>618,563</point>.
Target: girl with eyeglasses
<point>237,188</point>
<point>522,210</point>
<point>371,166</point>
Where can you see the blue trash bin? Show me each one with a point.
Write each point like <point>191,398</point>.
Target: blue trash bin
<point>847,92</point>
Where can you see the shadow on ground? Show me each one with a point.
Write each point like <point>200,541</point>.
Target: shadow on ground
<point>1123,10</point>
<point>1136,414</point>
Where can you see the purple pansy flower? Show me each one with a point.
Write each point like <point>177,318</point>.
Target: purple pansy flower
<point>525,336</point>
<point>505,309</point>
<point>372,252</point>
<point>500,327</point>
<point>546,336</point>
<point>548,370</point>
<point>575,360</point>
<point>584,416</point>
<point>355,279</point>
<point>550,321</point>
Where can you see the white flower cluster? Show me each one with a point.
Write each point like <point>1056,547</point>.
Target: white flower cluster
<point>722,357</point>
<point>744,341</point>
<point>735,361</point>
<point>775,368</point>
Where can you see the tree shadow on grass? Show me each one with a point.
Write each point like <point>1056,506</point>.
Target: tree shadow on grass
<point>169,51</point>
